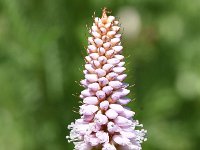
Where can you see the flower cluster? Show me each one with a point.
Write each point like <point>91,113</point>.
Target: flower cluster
<point>105,122</point>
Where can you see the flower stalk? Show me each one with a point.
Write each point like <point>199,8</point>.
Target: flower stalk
<point>106,123</point>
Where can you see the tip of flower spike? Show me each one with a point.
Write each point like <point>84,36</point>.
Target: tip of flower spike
<point>104,12</point>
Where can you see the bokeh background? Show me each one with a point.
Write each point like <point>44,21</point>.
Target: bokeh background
<point>41,56</point>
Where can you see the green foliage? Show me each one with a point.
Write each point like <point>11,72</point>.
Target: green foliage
<point>41,55</point>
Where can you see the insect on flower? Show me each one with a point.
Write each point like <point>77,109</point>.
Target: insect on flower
<point>105,123</point>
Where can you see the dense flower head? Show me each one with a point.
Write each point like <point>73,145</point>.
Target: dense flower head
<point>105,123</point>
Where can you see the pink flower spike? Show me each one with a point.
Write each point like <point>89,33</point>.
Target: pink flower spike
<point>105,122</point>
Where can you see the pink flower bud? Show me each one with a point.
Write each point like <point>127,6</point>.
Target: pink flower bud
<point>101,95</point>
<point>112,127</point>
<point>92,48</point>
<point>88,59</point>
<point>122,121</point>
<point>107,25</point>
<point>121,77</point>
<point>108,146</point>
<point>117,107</point>
<point>84,83</point>
<point>94,141</point>
<point>101,51</point>
<point>116,22</point>
<point>121,140</point>
<point>104,105</point>
<point>94,86</point>
<point>123,101</point>
<point>88,110</point>
<point>107,67</point>
<point>103,81</point>
<point>111,114</point>
<point>102,136</point>
<point>106,45</point>
<point>91,100</point>
<point>115,28</point>
<point>115,84</point>
<point>96,34</point>
<point>103,30</point>
<point>119,70</point>
<point>101,119</point>
<point>100,72</point>
<point>123,92</point>
<point>102,59</point>
<point>95,28</point>
<point>127,113</point>
<point>91,40</point>
<point>108,90</point>
<point>111,33</point>
<point>117,48</point>
<point>111,76</point>
<point>118,35</point>
<point>115,40</point>
<point>120,57</point>
<point>95,63</point>
<point>111,18</point>
<point>94,56</point>
<point>91,77</point>
<point>98,42</point>
<point>87,93</point>
<point>89,68</point>
<point>115,97</point>
<point>113,61</point>
<point>88,117</point>
<point>109,53</point>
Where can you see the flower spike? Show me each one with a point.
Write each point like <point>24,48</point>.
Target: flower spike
<point>105,123</point>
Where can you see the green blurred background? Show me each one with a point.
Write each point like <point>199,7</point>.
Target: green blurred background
<point>41,56</point>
